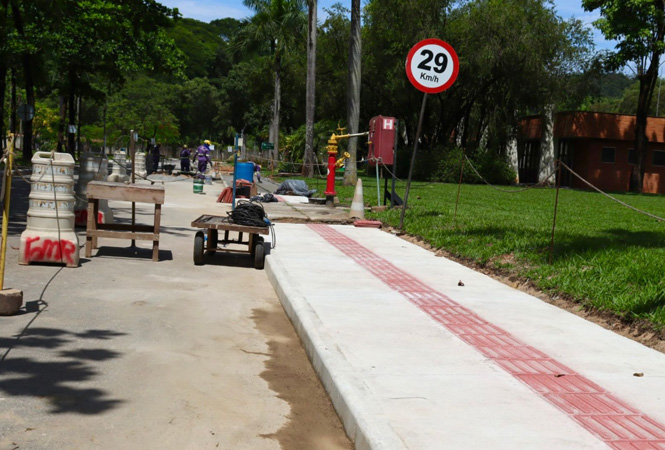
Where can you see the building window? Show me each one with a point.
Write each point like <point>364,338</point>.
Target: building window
<point>658,158</point>
<point>607,156</point>
<point>632,156</point>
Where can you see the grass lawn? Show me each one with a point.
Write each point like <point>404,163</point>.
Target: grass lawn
<point>605,255</point>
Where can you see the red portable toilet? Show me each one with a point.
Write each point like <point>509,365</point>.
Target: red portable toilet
<point>381,140</point>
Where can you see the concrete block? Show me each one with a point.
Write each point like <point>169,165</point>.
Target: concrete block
<point>11,301</point>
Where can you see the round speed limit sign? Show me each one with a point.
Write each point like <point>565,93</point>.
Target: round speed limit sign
<point>432,66</point>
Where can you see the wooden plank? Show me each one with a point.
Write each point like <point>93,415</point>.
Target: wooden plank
<point>219,223</point>
<point>124,235</point>
<point>126,192</point>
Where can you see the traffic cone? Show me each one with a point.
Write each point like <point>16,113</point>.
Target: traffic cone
<point>357,206</point>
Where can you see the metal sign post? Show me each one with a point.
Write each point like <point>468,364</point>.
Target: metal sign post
<point>132,152</point>
<point>431,66</point>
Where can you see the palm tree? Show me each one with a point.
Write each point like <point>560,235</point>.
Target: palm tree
<point>280,24</point>
<point>311,88</point>
<point>353,94</point>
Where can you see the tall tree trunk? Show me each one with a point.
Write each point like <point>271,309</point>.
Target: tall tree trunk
<point>61,125</point>
<point>3,89</point>
<point>3,76</point>
<point>26,60</point>
<point>78,127</point>
<point>274,126</point>
<point>311,90</point>
<point>647,80</point>
<point>353,95</point>
<point>71,107</point>
<point>13,125</point>
<point>647,86</point>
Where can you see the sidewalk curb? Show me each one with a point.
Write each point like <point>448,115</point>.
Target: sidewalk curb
<point>362,418</point>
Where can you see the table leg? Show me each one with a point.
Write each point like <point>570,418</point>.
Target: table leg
<point>91,225</point>
<point>133,218</point>
<point>155,243</point>
<point>95,216</point>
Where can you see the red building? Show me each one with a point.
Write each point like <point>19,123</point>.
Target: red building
<point>598,146</point>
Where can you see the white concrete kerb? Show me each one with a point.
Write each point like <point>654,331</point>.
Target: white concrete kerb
<point>352,401</point>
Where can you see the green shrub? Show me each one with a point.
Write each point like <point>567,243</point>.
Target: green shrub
<point>492,168</point>
<point>289,167</point>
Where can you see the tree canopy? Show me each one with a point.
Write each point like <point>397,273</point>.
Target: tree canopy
<point>180,80</point>
<point>639,26</point>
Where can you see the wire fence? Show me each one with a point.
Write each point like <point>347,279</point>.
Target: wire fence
<point>545,183</point>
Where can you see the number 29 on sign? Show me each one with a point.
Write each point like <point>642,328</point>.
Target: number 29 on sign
<point>432,66</point>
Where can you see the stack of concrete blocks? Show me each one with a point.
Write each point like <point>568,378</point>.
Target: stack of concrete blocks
<point>119,173</point>
<point>93,167</point>
<point>139,164</point>
<point>49,236</point>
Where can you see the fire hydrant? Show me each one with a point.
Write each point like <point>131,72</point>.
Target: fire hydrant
<point>333,163</point>
<point>330,184</point>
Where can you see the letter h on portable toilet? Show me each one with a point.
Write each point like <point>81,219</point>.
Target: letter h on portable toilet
<point>49,236</point>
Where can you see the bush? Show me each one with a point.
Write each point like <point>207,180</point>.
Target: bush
<point>492,168</point>
<point>289,167</point>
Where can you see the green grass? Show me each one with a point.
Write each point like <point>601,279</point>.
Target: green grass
<point>605,255</point>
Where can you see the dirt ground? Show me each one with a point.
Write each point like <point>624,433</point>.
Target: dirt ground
<point>313,423</point>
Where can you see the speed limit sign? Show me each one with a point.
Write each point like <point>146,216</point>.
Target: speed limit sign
<point>432,66</point>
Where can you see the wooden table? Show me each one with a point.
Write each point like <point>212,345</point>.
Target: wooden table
<point>103,190</point>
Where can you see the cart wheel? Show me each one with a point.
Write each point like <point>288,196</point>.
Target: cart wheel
<point>198,248</point>
<point>258,240</point>
<point>259,255</point>
<point>213,240</point>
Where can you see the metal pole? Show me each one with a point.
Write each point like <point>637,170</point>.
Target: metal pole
<point>556,206</point>
<point>413,160</point>
<point>378,191</point>
<point>132,153</point>
<point>394,171</point>
<point>104,152</point>
<point>235,173</point>
<point>5,210</point>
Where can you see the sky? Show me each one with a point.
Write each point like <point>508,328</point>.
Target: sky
<point>208,10</point>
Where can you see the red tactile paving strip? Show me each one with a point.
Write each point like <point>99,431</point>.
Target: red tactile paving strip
<point>619,425</point>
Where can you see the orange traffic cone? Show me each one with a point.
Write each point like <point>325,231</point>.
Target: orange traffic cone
<point>357,206</point>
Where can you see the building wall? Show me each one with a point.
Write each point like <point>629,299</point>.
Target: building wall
<point>614,176</point>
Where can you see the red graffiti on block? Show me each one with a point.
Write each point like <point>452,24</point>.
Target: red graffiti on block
<point>49,251</point>
<point>81,217</point>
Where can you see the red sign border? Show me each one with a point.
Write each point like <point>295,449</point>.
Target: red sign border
<point>450,50</point>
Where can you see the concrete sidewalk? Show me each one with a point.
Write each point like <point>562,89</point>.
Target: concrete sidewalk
<point>413,360</point>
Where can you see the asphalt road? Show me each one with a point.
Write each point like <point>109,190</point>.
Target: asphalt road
<point>123,352</point>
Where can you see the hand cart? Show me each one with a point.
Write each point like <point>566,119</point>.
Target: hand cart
<point>213,224</point>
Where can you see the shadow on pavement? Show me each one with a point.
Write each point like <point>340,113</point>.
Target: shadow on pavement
<point>229,258</point>
<point>53,377</point>
<point>132,253</point>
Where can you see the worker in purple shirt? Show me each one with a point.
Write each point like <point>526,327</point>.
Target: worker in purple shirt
<point>257,171</point>
<point>184,159</point>
<point>202,155</point>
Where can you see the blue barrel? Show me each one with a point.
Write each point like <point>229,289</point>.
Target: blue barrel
<point>245,171</point>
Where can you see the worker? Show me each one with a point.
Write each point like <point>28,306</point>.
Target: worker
<point>257,171</point>
<point>184,159</point>
<point>202,155</point>
<point>155,157</point>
